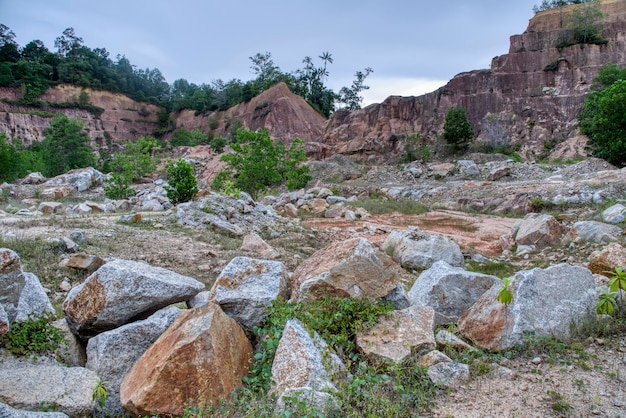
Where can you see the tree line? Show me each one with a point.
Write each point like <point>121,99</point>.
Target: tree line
<point>33,68</point>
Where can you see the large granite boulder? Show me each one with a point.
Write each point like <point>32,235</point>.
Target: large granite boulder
<point>592,231</point>
<point>111,354</point>
<point>449,290</point>
<point>28,384</point>
<point>614,214</point>
<point>34,301</point>
<point>246,287</point>
<point>351,268</point>
<point>304,366</point>
<point>200,359</point>
<point>538,230</point>
<point>546,302</point>
<point>417,249</point>
<point>399,334</point>
<point>123,290</point>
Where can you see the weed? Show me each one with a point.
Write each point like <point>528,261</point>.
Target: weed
<point>36,335</point>
<point>378,206</point>
<point>495,268</point>
<point>559,403</point>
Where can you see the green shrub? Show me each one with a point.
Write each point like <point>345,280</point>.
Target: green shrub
<point>182,184</point>
<point>35,336</point>
<point>118,187</point>
<point>457,130</point>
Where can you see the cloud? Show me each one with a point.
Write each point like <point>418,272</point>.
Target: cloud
<point>381,88</point>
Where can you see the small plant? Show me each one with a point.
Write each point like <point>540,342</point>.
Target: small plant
<point>182,184</point>
<point>35,336</point>
<point>607,303</point>
<point>504,295</point>
<point>560,403</point>
<point>100,393</point>
<point>118,187</point>
<point>618,281</point>
<point>228,189</point>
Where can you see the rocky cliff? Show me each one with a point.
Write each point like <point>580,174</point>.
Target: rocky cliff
<point>111,117</point>
<point>284,114</point>
<point>530,97</point>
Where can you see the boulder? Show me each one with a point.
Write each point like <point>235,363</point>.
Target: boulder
<point>448,374</point>
<point>399,334</point>
<point>86,262</point>
<point>12,281</point>
<point>33,178</point>
<point>614,214</point>
<point>56,192</point>
<point>48,208</point>
<point>70,389</point>
<point>33,300</point>
<point>72,350</point>
<point>445,338</point>
<point>468,168</point>
<point>122,290</point>
<point>200,359</point>
<point>303,362</point>
<point>433,357</point>
<point>592,231</point>
<point>398,298</point>
<point>246,288</point>
<point>546,302</point>
<point>498,172</point>
<point>351,268</point>
<point>7,412</point>
<point>416,249</point>
<point>80,180</point>
<point>604,261</point>
<point>112,353</point>
<point>253,243</point>
<point>538,230</point>
<point>450,291</point>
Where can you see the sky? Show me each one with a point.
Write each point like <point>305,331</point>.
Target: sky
<point>413,46</point>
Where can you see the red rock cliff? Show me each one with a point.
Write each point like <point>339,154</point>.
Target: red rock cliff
<point>517,101</point>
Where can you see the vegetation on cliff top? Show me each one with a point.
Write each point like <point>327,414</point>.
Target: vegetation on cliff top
<point>33,69</point>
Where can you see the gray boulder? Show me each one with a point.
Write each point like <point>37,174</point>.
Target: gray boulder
<point>468,168</point>
<point>450,291</point>
<point>4,321</point>
<point>7,412</point>
<point>546,302</point>
<point>538,230</point>
<point>122,290</point>
<point>398,298</point>
<point>417,249</point>
<point>111,354</point>
<point>27,384</point>
<point>304,363</point>
<point>12,281</point>
<point>247,286</point>
<point>592,231</point>
<point>33,299</point>
<point>448,374</point>
<point>80,179</point>
<point>614,214</point>
<point>72,350</point>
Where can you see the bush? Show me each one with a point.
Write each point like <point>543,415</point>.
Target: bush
<point>257,163</point>
<point>182,184</point>
<point>36,336</point>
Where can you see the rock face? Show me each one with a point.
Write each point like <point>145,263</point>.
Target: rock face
<point>450,291</point>
<point>399,334</point>
<point>201,358</point>
<point>285,115</point>
<point>545,302</point>
<point>112,353</point>
<point>352,268</point>
<point>521,100</point>
<point>122,118</point>
<point>246,287</point>
<point>122,290</point>
<point>27,384</point>
<point>301,362</point>
<point>417,250</point>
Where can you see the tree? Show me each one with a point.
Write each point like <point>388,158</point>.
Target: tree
<point>351,96</point>
<point>457,130</point>
<point>603,120</point>
<point>181,183</point>
<point>586,24</point>
<point>256,163</point>
<point>65,147</point>
<point>552,4</point>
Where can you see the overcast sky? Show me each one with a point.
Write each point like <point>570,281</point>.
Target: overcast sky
<point>413,46</point>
